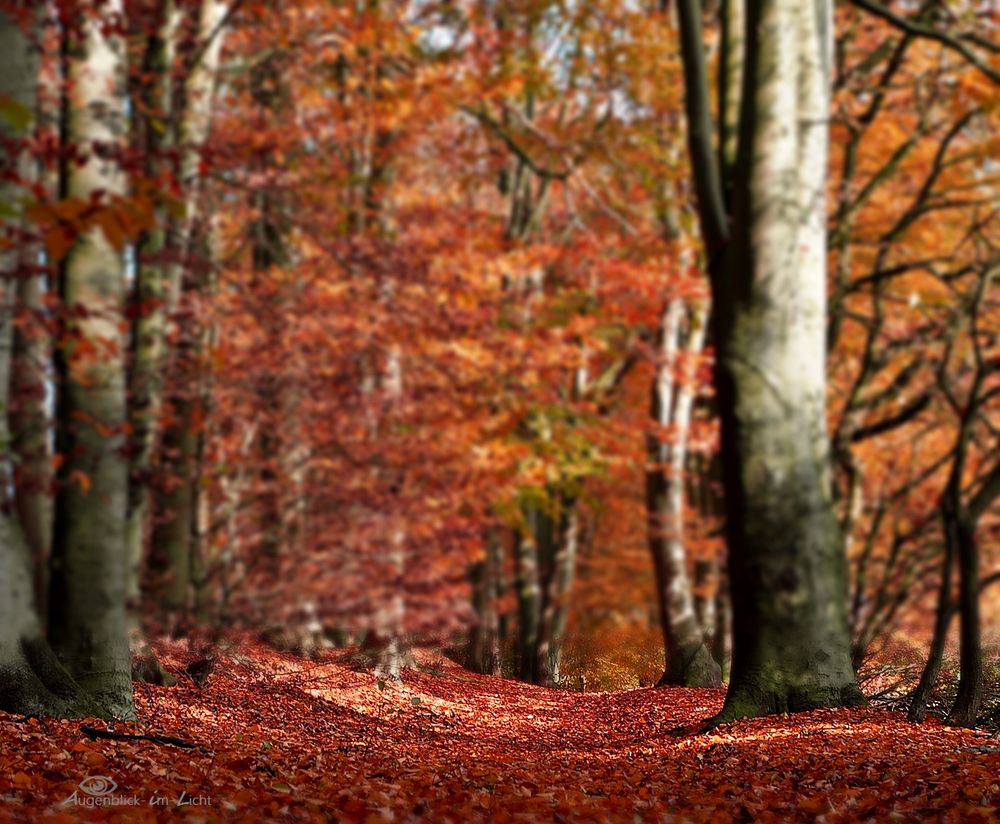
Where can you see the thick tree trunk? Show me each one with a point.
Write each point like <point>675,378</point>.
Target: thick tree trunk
<point>87,609</point>
<point>24,285</point>
<point>786,556</point>
<point>32,681</point>
<point>787,565</point>
<point>29,425</point>
<point>688,660</point>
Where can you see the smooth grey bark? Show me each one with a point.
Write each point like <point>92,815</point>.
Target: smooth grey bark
<point>791,645</point>
<point>87,609</point>
<point>32,681</point>
<point>29,422</point>
<point>688,660</point>
<point>722,650</point>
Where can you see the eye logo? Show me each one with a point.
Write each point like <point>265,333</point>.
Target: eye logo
<point>98,785</point>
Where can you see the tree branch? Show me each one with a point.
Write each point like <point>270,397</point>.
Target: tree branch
<point>907,413</point>
<point>929,33</point>
<point>707,176</point>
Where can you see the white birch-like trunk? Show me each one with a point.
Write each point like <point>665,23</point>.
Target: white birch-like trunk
<point>688,661</point>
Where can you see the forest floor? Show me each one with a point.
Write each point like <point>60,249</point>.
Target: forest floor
<point>280,738</point>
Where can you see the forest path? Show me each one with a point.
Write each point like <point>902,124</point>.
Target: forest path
<point>288,739</point>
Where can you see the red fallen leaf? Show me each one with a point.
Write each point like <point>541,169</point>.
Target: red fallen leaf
<point>329,743</point>
<point>21,779</point>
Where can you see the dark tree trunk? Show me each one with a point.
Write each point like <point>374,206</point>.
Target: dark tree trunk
<point>970,683</point>
<point>484,641</point>
<point>529,602</point>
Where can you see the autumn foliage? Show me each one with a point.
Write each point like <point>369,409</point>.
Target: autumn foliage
<point>364,371</point>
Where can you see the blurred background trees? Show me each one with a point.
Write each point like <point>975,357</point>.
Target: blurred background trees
<point>388,323</point>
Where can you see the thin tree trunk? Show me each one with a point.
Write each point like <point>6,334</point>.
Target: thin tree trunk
<point>87,613</point>
<point>970,684</point>
<point>529,599</point>
<point>705,574</point>
<point>175,507</point>
<point>157,291</point>
<point>149,298</point>
<point>689,661</point>
<point>150,310</point>
<point>484,641</point>
<point>393,653</point>
<point>552,623</point>
<point>722,639</point>
<point>942,620</point>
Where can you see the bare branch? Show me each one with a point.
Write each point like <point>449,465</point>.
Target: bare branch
<point>930,33</point>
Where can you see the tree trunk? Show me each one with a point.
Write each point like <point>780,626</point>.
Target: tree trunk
<point>149,297</point>
<point>942,620</point>
<point>87,614</point>
<point>791,645</point>
<point>393,653</point>
<point>32,681</point>
<point>970,683</point>
<point>688,660</point>
<point>171,539</point>
<point>29,424</point>
<point>722,638</point>
<point>157,290</point>
<point>704,598</point>
<point>484,641</point>
<point>529,598</point>
<point>552,624</point>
